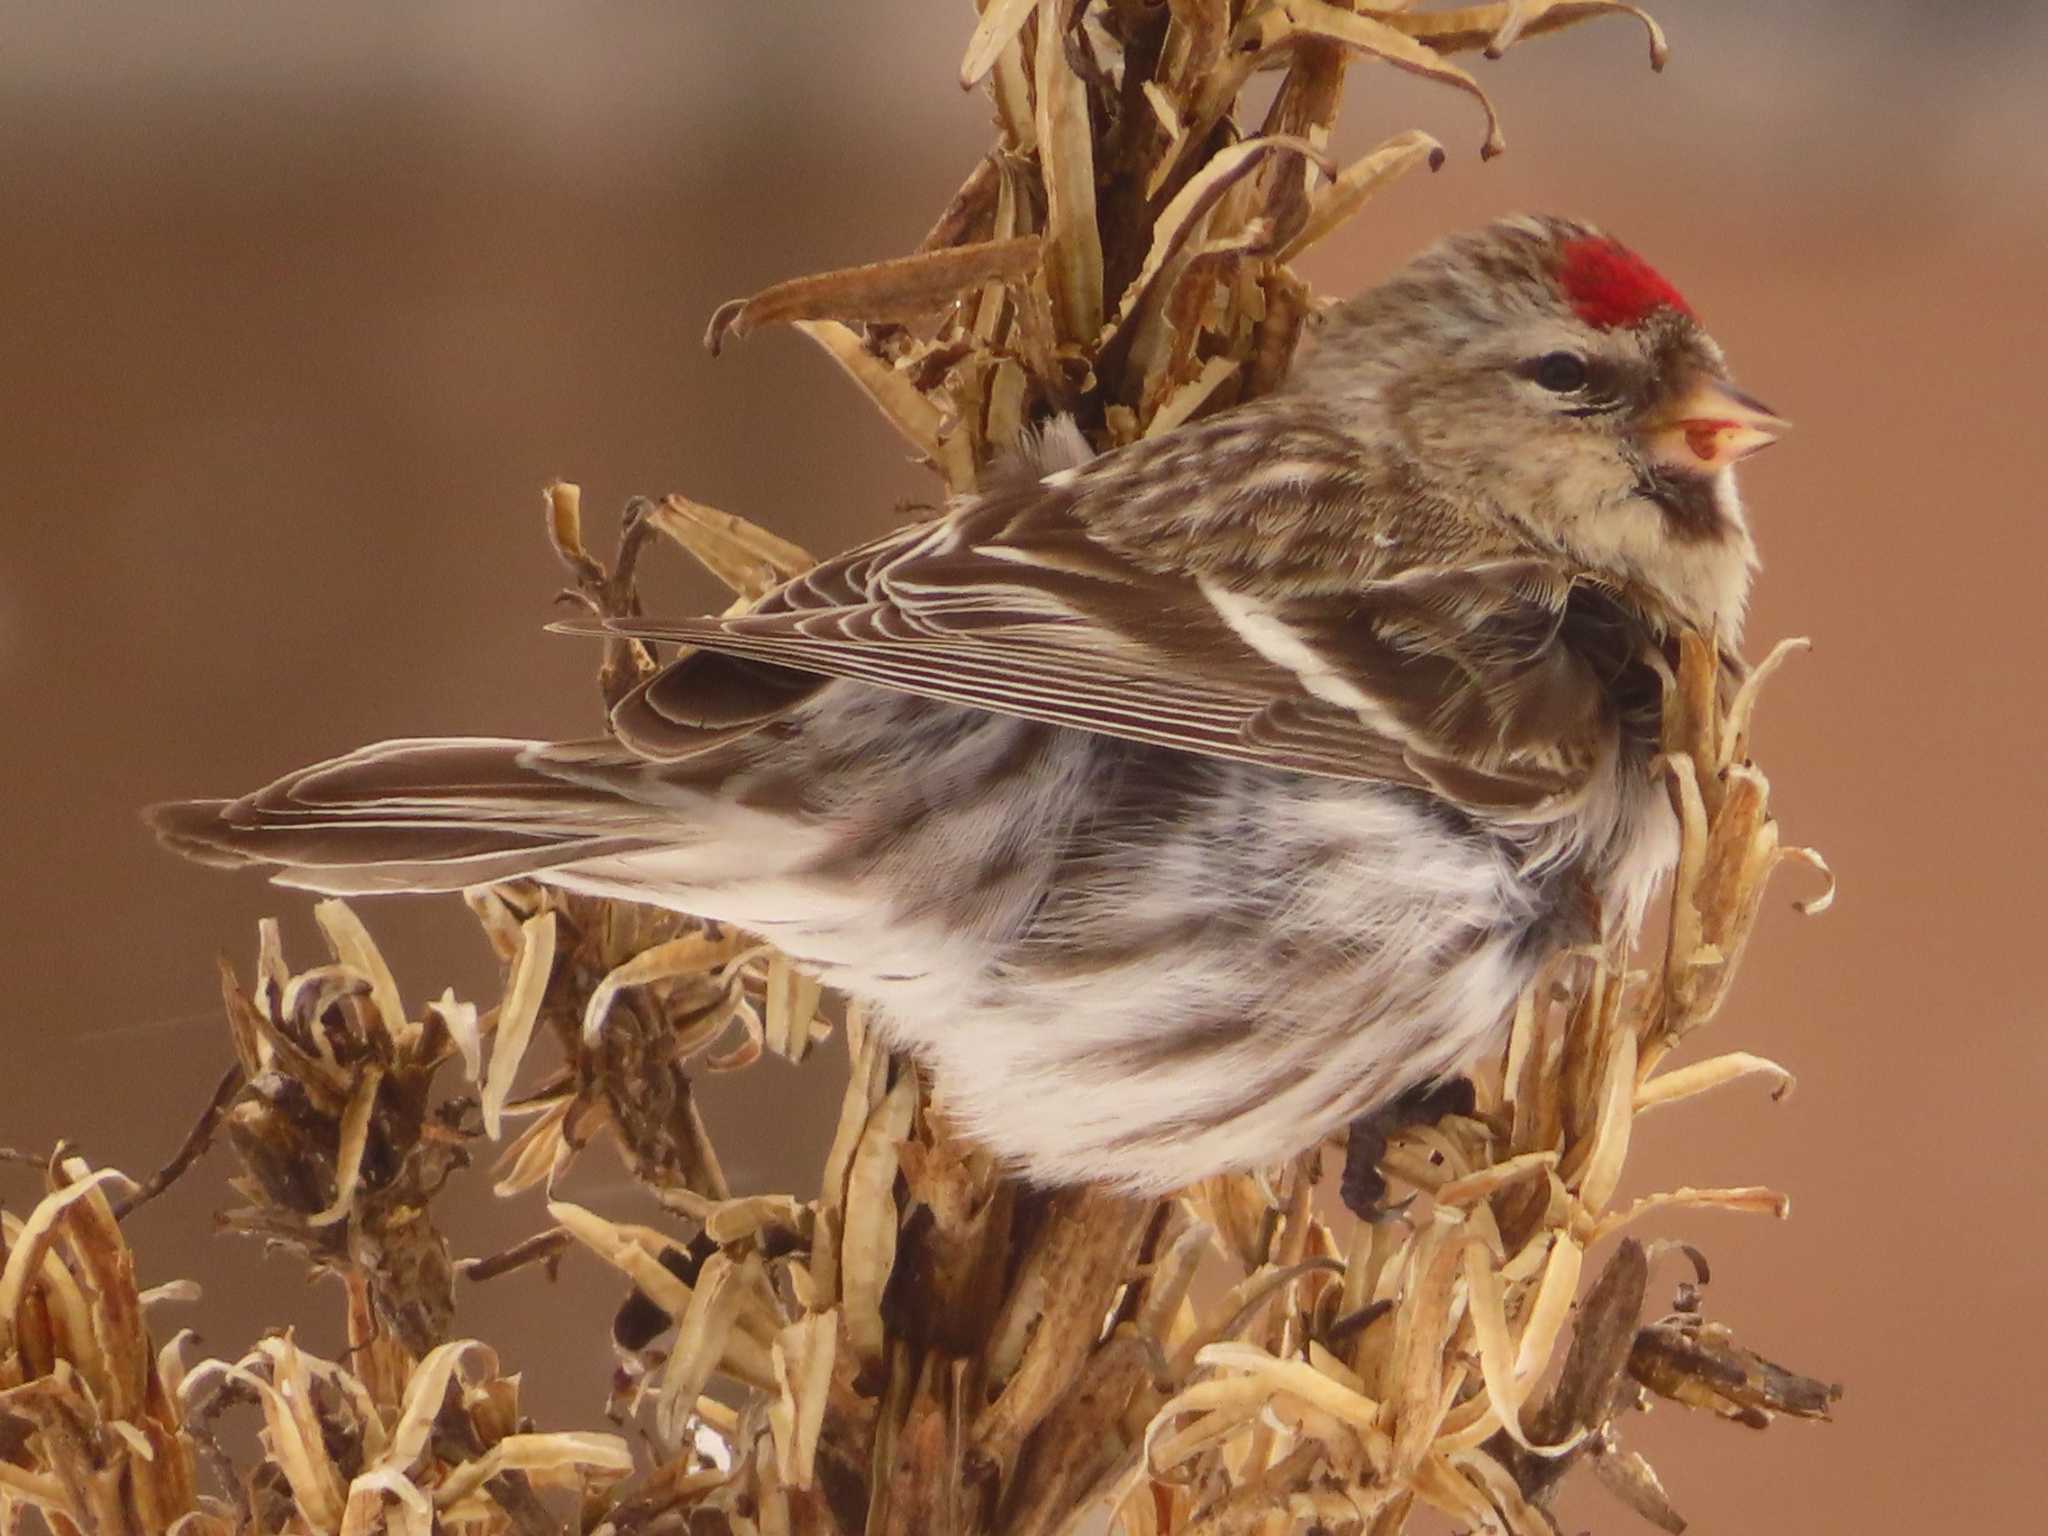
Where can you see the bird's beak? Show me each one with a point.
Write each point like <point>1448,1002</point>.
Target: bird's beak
<point>1709,427</point>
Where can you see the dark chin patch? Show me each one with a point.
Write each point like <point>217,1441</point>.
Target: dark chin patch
<point>1691,515</point>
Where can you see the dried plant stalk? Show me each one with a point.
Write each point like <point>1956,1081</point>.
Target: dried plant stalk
<point>922,1344</point>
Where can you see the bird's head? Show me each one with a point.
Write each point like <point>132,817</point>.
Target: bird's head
<point>1548,380</point>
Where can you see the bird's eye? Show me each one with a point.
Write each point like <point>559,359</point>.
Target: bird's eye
<point>1560,372</point>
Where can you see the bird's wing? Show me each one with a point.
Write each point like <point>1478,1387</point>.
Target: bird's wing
<point>1057,600</point>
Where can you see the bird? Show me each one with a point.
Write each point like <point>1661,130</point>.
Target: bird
<point>1180,804</point>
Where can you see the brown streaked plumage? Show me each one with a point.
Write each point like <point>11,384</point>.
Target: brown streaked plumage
<point>1048,601</point>
<point>1183,803</point>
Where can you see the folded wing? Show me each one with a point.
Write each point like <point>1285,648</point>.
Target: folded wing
<point>1487,682</point>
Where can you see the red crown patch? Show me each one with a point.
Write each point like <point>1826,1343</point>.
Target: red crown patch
<point>1610,285</point>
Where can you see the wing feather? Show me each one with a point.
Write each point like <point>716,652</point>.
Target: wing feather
<point>1046,599</point>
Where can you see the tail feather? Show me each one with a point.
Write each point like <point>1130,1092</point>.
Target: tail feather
<point>426,814</point>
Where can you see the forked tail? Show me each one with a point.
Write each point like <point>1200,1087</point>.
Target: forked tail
<point>425,814</point>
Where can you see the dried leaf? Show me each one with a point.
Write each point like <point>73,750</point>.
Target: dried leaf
<point>1185,220</point>
<point>709,1337</point>
<point>538,1153</point>
<point>1358,183</point>
<point>903,288</point>
<point>1751,1199</point>
<point>348,1162</point>
<point>354,948</point>
<point>1067,159</point>
<point>694,954</point>
<point>460,1020</point>
<point>1498,27</point>
<point>1616,1115</point>
<point>545,1457</point>
<point>868,1247</point>
<point>1280,22</point>
<point>294,1439</point>
<point>1704,1076</point>
<point>1507,1386</point>
<point>916,417</point>
<point>1631,1479</point>
<point>423,1396</point>
<point>1553,1304</point>
<point>636,1251</point>
<point>517,1014</point>
<point>1001,21</point>
<point>805,1352</point>
<point>29,1245</point>
<point>1519,1516</point>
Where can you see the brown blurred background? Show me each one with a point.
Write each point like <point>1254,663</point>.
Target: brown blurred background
<point>300,306</point>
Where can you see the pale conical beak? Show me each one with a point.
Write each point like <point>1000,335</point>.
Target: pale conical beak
<point>1709,427</point>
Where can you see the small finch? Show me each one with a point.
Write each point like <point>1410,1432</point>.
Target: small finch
<point>1177,806</point>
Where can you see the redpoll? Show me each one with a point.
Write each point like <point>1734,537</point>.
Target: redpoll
<point>1179,805</point>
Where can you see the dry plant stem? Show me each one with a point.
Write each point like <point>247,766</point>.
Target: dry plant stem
<point>1583,1399</point>
<point>541,1248</point>
<point>197,1140</point>
<point>604,593</point>
<point>920,1344</point>
<point>1700,1365</point>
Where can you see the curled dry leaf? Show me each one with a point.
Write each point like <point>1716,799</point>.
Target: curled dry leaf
<point>1496,28</point>
<point>905,288</point>
<point>1682,1083</point>
<point>1282,23</point>
<point>355,1137</point>
<point>693,954</point>
<point>354,948</point>
<point>517,1015</point>
<point>1358,183</point>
